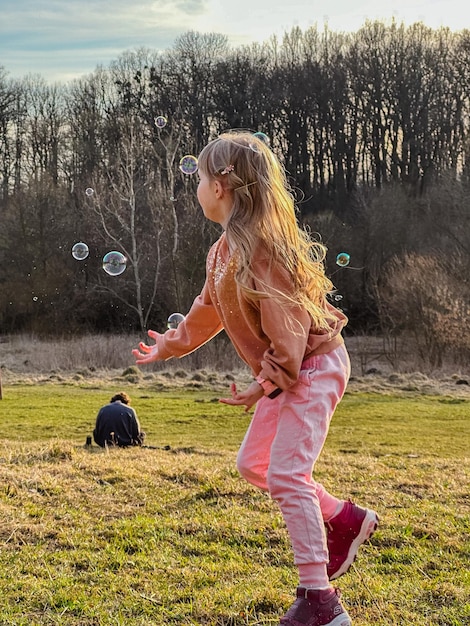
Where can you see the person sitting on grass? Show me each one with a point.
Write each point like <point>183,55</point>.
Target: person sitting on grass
<point>117,424</point>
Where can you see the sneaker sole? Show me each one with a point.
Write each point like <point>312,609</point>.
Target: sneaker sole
<point>368,528</point>
<point>341,620</point>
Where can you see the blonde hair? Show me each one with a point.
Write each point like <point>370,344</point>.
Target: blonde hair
<point>264,213</point>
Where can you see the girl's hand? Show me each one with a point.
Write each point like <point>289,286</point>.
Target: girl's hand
<point>145,353</point>
<point>249,397</point>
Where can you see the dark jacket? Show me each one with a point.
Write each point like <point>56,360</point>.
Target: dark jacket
<point>117,425</point>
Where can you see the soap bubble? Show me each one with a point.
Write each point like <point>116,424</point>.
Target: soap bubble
<point>114,263</point>
<point>175,320</point>
<point>89,191</point>
<point>263,137</point>
<point>337,297</point>
<point>188,164</point>
<point>160,121</point>
<point>80,251</point>
<point>343,259</point>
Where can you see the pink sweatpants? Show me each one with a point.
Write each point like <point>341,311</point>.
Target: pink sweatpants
<point>282,444</point>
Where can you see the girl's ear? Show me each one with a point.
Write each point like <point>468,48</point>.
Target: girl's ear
<point>218,189</point>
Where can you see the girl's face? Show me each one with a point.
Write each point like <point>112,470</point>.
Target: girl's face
<point>205,193</point>
<point>216,202</point>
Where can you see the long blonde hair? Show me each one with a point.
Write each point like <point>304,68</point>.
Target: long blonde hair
<point>264,214</point>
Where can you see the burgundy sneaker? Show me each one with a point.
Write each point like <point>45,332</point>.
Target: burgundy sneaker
<point>346,532</point>
<point>316,607</point>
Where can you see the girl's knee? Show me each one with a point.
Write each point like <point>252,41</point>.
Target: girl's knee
<point>244,468</point>
<point>251,473</point>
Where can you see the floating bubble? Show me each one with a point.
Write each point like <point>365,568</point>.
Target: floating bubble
<point>114,263</point>
<point>175,320</point>
<point>35,298</point>
<point>89,191</point>
<point>80,251</point>
<point>160,121</point>
<point>337,297</point>
<point>188,164</point>
<point>343,259</point>
<point>262,137</point>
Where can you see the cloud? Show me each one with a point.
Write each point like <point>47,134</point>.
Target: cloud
<point>77,20</point>
<point>63,38</point>
<point>49,34</point>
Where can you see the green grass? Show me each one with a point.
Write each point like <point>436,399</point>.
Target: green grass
<point>369,424</point>
<point>153,536</point>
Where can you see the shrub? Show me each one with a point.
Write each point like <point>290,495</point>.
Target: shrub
<point>425,296</point>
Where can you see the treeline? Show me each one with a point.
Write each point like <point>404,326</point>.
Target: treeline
<point>373,129</point>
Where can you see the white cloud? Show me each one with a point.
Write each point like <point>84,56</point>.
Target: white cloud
<point>78,20</point>
<point>64,38</point>
<point>54,37</point>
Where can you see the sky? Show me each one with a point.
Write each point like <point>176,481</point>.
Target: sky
<point>66,39</point>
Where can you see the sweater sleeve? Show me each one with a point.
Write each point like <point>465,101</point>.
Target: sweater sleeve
<point>286,327</point>
<point>200,325</point>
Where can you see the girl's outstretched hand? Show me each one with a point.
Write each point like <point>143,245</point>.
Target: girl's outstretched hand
<point>145,353</point>
<point>249,397</point>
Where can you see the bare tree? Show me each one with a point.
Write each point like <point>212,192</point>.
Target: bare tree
<point>137,215</point>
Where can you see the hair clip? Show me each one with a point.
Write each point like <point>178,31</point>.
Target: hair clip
<point>246,185</point>
<point>227,169</point>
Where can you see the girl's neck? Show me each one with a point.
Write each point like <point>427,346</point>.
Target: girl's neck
<point>230,245</point>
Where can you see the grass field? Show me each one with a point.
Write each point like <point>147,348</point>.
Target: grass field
<point>171,534</point>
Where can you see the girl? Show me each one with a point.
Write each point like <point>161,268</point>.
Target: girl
<point>266,286</point>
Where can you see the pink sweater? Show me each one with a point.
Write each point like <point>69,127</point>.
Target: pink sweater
<point>271,339</point>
